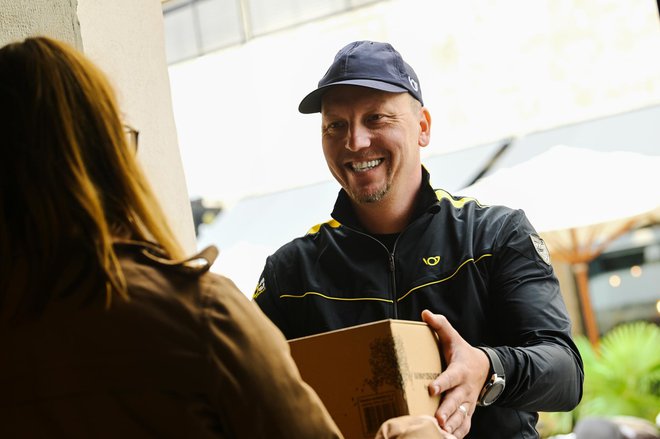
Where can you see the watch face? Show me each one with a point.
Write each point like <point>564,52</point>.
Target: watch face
<point>493,391</point>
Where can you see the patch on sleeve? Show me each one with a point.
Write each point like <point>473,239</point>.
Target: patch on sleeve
<point>541,248</point>
<point>261,287</point>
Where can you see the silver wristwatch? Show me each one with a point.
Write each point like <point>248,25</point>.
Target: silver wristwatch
<point>496,382</point>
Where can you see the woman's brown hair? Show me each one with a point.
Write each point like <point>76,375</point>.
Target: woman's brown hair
<point>69,183</point>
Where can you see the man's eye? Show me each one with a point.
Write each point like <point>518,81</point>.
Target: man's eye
<point>334,125</point>
<point>375,117</point>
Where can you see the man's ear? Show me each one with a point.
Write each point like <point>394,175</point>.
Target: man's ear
<point>425,127</point>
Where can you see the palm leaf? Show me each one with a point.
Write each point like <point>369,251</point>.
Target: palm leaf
<point>622,376</point>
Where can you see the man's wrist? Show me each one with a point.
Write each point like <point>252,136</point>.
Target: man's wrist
<point>495,382</point>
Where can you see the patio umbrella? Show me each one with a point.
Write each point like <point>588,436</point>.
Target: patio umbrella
<point>579,200</point>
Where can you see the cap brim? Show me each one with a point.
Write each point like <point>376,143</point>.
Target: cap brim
<point>312,102</point>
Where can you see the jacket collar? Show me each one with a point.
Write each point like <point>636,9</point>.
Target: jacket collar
<point>153,253</point>
<point>344,213</point>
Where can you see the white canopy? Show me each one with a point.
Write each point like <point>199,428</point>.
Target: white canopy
<point>572,188</point>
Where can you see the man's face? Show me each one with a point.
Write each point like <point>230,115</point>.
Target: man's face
<point>371,142</point>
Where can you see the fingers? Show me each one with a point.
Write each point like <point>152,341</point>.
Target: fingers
<point>464,422</point>
<point>460,382</point>
<point>454,375</point>
<point>459,422</point>
<point>442,327</point>
<point>451,344</point>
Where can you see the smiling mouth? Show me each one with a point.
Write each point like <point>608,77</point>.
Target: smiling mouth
<point>365,166</point>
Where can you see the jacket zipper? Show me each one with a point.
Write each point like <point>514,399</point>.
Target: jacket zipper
<point>390,265</point>
<point>393,266</point>
<point>393,277</point>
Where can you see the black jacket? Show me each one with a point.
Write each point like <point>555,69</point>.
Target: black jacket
<point>482,267</point>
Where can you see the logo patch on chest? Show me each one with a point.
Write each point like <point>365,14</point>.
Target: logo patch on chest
<point>541,248</point>
<point>431,260</point>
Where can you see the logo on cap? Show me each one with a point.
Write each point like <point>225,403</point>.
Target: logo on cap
<point>413,84</point>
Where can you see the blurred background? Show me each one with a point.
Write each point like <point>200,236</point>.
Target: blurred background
<point>561,97</point>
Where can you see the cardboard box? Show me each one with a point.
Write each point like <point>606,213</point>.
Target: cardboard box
<point>369,373</point>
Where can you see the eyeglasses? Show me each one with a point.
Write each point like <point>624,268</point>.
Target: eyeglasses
<point>131,137</point>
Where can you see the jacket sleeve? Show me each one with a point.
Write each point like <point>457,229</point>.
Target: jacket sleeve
<point>543,367</point>
<point>259,390</point>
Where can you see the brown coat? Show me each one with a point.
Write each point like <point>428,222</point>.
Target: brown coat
<point>188,356</point>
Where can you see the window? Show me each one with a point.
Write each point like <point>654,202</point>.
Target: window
<point>267,15</point>
<point>219,23</point>
<point>195,27</point>
<point>180,36</point>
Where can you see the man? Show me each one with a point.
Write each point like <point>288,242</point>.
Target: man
<point>397,248</point>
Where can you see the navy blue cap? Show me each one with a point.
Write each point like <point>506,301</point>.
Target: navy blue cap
<point>366,64</point>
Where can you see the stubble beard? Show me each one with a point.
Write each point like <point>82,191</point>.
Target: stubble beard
<point>371,197</point>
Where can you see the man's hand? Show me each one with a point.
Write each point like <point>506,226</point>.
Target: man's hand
<point>461,382</point>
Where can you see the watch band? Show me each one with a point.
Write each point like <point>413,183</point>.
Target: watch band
<point>496,383</point>
<point>495,363</point>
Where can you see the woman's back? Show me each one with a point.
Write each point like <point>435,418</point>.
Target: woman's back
<point>186,356</point>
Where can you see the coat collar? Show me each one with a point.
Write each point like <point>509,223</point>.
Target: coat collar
<point>153,253</point>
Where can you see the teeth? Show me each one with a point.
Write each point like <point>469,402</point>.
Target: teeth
<point>365,166</point>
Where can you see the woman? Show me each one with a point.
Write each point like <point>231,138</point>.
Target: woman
<point>106,330</point>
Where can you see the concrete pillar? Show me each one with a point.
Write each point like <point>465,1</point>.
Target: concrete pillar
<point>125,39</point>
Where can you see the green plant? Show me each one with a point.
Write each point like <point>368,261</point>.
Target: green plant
<point>622,375</point>
<point>554,423</point>
<point>621,378</point>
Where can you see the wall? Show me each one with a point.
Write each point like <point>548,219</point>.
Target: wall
<point>125,38</point>
<point>57,19</point>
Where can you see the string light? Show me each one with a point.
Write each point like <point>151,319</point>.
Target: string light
<point>635,271</point>
<point>615,281</point>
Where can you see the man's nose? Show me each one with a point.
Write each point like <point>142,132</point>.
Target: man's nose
<point>358,138</point>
